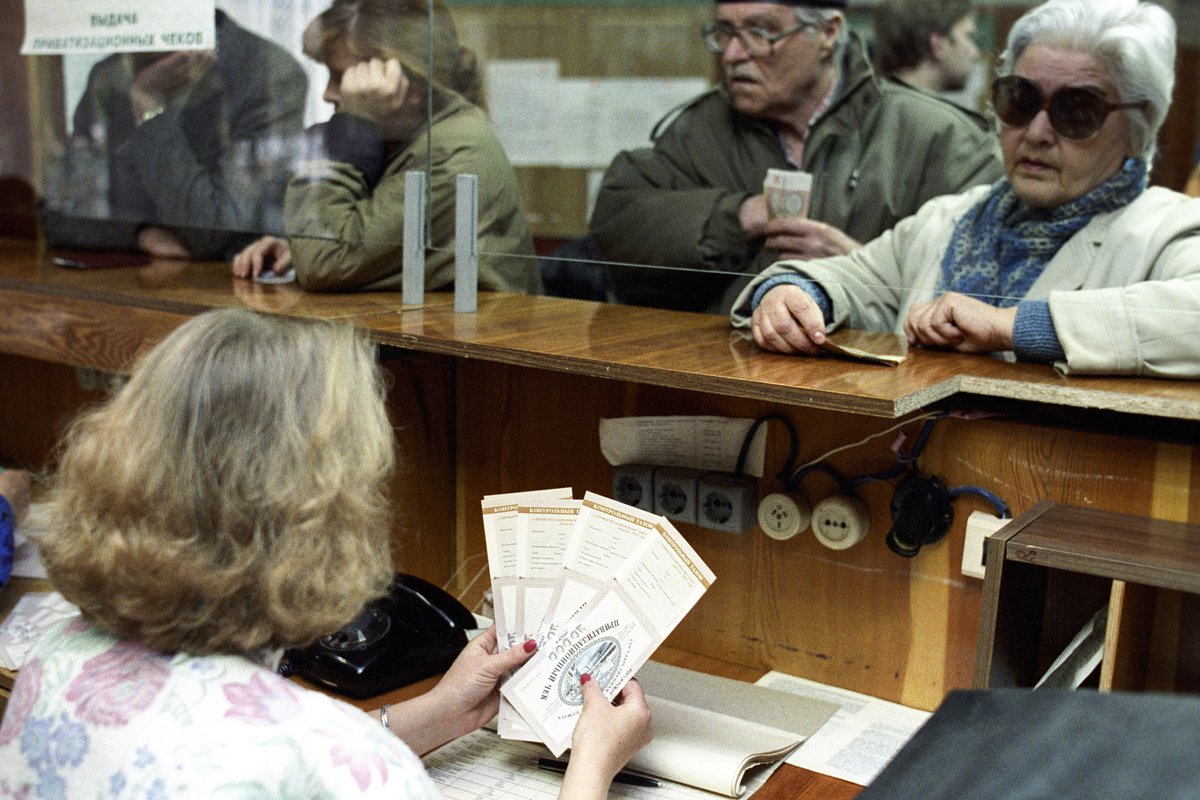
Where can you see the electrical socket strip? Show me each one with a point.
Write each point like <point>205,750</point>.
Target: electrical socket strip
<point>719,501</point>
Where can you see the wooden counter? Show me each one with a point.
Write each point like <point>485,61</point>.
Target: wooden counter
<point>648,346</point>
<point>510,398</point>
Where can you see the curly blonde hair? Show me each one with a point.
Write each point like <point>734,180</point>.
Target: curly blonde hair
<point>230,496</point>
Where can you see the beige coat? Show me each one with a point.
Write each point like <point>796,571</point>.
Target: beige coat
<point>1124,292</point>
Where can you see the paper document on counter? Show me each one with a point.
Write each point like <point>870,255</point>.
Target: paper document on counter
<point>709,443</point>
<point>710,731</point>
<point>482,765</point>
<point>615,633</point>
<point>712,736</point>
<point>860,739</point>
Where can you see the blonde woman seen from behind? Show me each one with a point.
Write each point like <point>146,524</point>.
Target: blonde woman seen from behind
<point>226,503</point>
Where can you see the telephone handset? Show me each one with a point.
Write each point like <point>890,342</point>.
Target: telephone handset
<point>414,632</point>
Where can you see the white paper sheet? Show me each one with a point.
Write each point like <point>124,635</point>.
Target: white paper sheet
<point>27,560</point>
<point>34,614</point>
<point>482,765</point>
<point>108,26</point>
<point>543,119</point>
<point>859,740</point>
<point>710,443</point>
<point>522,103</point>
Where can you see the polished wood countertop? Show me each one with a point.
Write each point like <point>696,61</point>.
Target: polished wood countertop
<point>103,317</point>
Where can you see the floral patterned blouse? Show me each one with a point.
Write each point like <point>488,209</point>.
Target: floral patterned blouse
<point>93,717</point>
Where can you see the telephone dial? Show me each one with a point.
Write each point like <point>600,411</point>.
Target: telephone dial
<point>415,631</point>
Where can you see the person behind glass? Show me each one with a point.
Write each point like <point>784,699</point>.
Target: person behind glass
<point>344,212</point>
<point>180,154</point>
<point>269,528</point>
<point>927,44</point>
<point>1070,258</point>
<point>797,93</point>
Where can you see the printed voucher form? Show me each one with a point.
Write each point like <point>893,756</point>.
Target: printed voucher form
<point>654,579</point>
<point>500,539</point>
<point>501,524</point>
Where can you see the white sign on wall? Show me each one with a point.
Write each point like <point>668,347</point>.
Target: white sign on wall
<point>55,27</point>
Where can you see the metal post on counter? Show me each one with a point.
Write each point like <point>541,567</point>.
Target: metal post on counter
<point>413,265</point>
<point>466,253</point>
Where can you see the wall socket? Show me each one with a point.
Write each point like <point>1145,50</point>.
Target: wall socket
<point>633,485</point>
<point>728,502</point>
<point>676,490</point>
<point>840,521</point>
<point>719,501</point>
<point>782,516</point>
<point>980,525</point>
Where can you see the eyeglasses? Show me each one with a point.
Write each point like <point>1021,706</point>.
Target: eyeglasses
<point>1074,112</point>
<point>757,42</point>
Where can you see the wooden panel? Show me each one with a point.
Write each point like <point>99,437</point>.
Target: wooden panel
<point>421,406</point>
<point>863,619</point>
<point>1130,548</point>
<point>36,401</point>
<point>16,147</point>
<point>531,378</point>
<point>1127,637</point>
<point>74,332</point>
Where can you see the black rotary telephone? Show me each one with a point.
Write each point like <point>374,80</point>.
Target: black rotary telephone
<point>414,632</point>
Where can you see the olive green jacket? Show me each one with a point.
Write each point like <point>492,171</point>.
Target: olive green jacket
<point>877,155</point>
<point>345,226</point>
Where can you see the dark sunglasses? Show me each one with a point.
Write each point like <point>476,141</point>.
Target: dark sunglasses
<point>1075,112</point>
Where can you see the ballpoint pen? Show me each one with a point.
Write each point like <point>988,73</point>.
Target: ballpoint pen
<point>628,778</point>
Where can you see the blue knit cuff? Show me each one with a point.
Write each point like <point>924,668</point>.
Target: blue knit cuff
<point>1034,337</point>
<point>355,141</point>
<point>8,546</point>
<point>811,287</point>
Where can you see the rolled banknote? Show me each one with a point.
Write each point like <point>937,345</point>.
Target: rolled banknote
<point>787,192</point>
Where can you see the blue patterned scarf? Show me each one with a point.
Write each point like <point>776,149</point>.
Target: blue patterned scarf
<point>1000,246</point>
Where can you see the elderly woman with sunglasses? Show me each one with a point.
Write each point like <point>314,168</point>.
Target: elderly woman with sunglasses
<point>1070,258</point>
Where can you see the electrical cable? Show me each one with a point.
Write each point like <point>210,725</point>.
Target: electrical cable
<point>895,427</point>
<point>1001,507</point>
<point>793,449</point>
<point>903,463</point>
<point>844,485</point>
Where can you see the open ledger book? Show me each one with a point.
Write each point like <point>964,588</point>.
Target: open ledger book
<point>710,735</point>
<point>709,730</point>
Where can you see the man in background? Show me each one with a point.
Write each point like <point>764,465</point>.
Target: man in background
<point>798,93</point>
<point>927,44</point>
<point>180,154</point>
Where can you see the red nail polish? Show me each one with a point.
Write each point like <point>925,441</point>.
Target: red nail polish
<point>530,645</point>
<point>584,678</point>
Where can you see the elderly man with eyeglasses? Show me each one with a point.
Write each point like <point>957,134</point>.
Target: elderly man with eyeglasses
<point>797,93</point>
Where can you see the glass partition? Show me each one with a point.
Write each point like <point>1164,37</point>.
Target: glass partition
<point>182,153</point>
<point>571,86</point>
<point>127,146</point>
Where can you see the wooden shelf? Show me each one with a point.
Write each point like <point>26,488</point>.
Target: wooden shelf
<point>1055,566</point>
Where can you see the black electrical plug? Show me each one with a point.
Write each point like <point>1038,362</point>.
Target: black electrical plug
<point>921,514</point>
